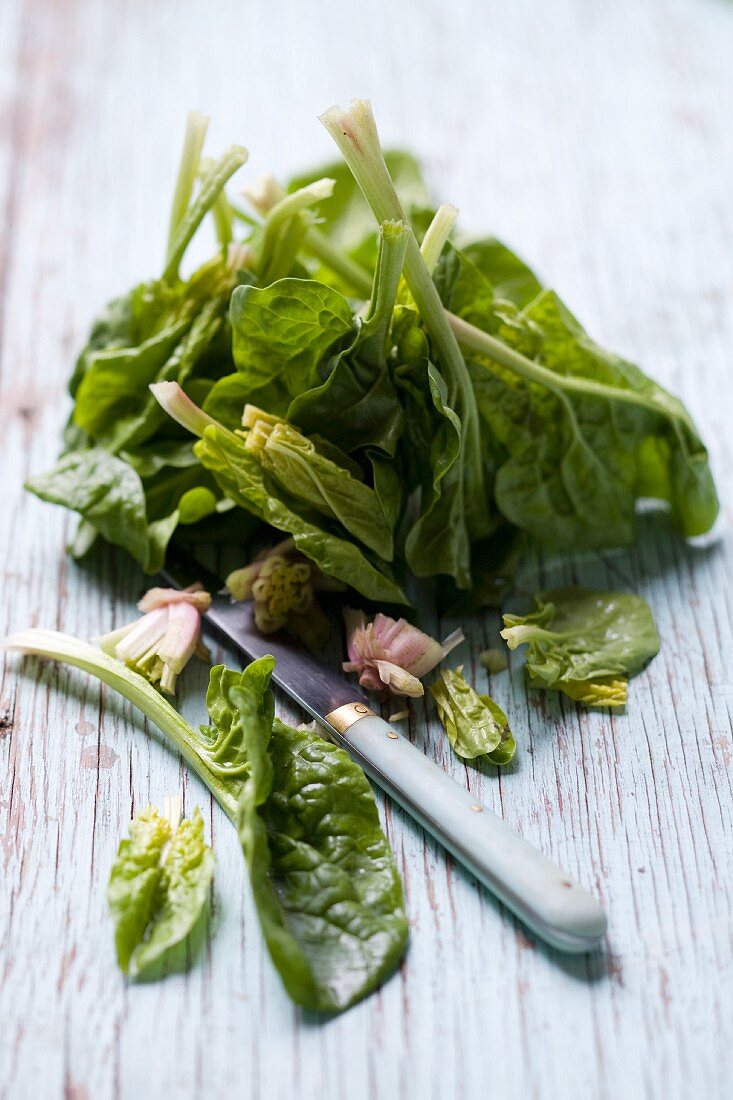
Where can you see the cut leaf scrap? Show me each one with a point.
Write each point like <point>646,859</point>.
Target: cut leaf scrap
<point>159,885</point>
<point>326,886</point>
<point>586,643</point>
<point>475,724</point>
<point>160,645</point>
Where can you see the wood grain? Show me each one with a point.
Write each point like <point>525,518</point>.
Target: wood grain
<point>596,139</point>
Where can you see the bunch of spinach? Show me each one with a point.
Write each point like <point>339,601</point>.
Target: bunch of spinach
<point>438,404</point>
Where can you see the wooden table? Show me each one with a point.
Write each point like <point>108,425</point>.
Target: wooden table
<point>595,138</point>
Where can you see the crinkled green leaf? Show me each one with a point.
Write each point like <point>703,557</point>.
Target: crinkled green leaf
<point>327,890</point>
<point>280,333</point>
<point>329,488</point>
<point>475,724</point>
<point>438,541</point>
<point>579,456</point>
<point>509,276</point>
<point>158,887</point>
<point>585,642</point>
<point>240,708</point>
<point>114,380</point>
<point>109,495</point>
<point>244,480</point>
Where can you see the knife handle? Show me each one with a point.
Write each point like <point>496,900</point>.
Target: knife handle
<point>546,899</point>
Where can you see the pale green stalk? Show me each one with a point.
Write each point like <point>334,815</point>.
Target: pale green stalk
<point>437,234</point>
<point>62,647</point>
<point>221,211</point>
<point>183,410</point>
<point>193,143</point>
<point>355,134</point>
<point>231,159</point>
<point>390,260</point>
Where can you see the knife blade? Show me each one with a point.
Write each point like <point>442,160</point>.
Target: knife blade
<point>543,896</point>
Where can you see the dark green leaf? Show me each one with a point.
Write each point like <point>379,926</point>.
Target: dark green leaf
<point>107,493</point>
<point>325,883</point>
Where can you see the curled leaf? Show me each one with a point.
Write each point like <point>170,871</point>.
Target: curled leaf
<point>158,886</point>
<point>475,724</point>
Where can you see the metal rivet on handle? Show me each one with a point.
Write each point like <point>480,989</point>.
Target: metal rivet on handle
<point>394,736</point>
<point>476,808</point>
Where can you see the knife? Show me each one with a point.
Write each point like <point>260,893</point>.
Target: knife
<point>546,899</point>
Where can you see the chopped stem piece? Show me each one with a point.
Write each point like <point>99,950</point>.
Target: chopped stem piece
<point>193,142</point>
<point>231,159</point>
<point>437,234</point>
<point>62,647</point>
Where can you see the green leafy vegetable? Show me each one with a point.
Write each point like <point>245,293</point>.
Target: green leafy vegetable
<point>586,433</point>
<point>326,887</point>
<point>302,471</point>
<point>109,495</point>
<point>585,643</point>
<point>475,725</point>
<point>158,886</point>
<point>279,335</point>
<point>434,407</point>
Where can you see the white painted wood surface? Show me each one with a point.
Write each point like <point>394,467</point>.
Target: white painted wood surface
<point>595,138</point>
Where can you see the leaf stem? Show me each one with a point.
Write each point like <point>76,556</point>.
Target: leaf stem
<point>390,260</point>
<point>183,410</point>
<point>231,159</point>
<point>193,143</point>
<point>355,134</point>
<point>71,651</point>
<point>437,234</point>
<point>318,244</point>
<point>474,338</point>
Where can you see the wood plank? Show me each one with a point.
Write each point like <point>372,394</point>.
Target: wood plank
<point>596,140</point>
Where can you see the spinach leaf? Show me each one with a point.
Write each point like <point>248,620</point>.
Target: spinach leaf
<point>354,403</point>
<point>585,643</point>
<point>324,879</point>
<point>475,724</point>
<point>584,434</point>
<point>356,406</point>
<point>309,476</point>
<point>510,277</point>
<point>438,540</point>
<point>243,479</point>
<point>158,887</point>
<point>280,333</point>
<point>239,703</point>
<point>109,495</point>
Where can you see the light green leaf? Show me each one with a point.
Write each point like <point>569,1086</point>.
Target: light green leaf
<point>475,724</point>
<point>310,477</point>
<point>158,887</point>
<point>243,479</point>
<point>585,642</point>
